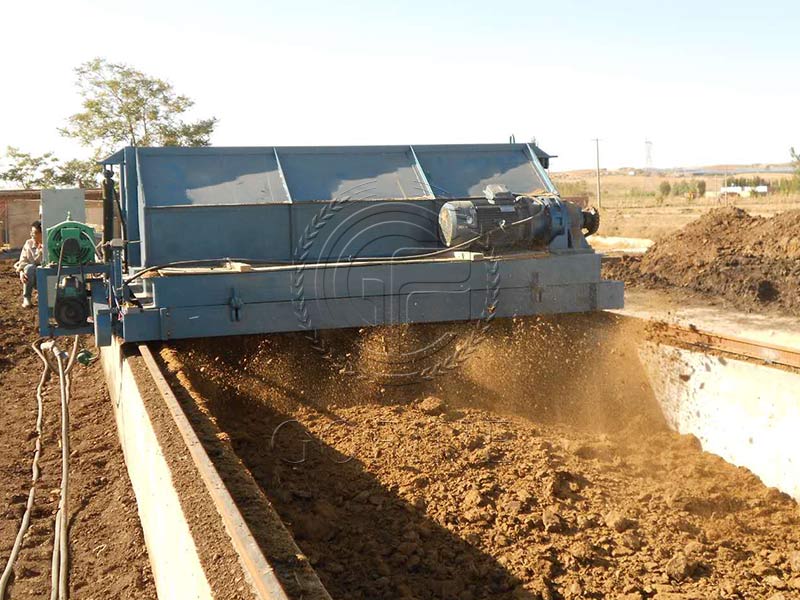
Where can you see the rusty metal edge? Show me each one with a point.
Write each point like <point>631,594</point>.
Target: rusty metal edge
<point>769,353</point>
<point>263,579</point>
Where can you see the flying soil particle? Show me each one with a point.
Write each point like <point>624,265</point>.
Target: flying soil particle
<point>541,468</point>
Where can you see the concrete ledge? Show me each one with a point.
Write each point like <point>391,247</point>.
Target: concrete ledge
<point>747,413</point>
<point>173,554</point>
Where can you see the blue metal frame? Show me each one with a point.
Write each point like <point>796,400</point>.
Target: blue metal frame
<point>97,284</point>
<point>255,203</point>
<point>335,296</point>
<point>318,211</point>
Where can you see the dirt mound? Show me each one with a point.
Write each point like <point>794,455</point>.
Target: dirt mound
<point>566,489</point>
<point>752,262</point>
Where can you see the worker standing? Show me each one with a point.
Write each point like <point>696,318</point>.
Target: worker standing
<point>29,259</point>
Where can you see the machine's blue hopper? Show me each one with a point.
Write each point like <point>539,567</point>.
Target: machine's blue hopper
<point>221,241</point>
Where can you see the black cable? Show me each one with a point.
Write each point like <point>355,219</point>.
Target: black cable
<point>35,472</point>
<point>288,263</point>
<point>123,224</point>
<point>94,245</point>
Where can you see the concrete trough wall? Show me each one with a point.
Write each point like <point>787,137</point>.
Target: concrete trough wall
<point>173,554</point>
<point>747,413</point>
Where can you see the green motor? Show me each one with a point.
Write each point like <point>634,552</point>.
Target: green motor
<point>75,239</point>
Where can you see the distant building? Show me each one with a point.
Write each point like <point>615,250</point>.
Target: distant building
<point>18,208</point>
<point>744,191</point>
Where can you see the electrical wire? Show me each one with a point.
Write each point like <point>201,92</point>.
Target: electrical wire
<point>26,517</point>
<point>123,225</point>
<point>367,259</point>
<point>60,562</point>
<point>95,245</point>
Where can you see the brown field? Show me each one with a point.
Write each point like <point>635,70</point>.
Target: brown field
<point>631,206</point>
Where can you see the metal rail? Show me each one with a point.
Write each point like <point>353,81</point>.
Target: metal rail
<point>769,353</point>
<point>265,582</point>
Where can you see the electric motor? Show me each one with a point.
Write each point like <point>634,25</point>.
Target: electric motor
<point>503,219</point>
<point>71,243</point>
<point>71,309</point>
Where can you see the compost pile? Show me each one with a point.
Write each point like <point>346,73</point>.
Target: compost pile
<point>751,262</point>
<point>434,491</point>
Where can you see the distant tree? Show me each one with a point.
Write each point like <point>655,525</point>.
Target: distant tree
<point>701,188</point>
<point>80,173</point>
<point>683,188</point>
<point>28,170</point>
<point>796,160</point>
<point>746,181</point>
<point>46,171</point>
<point>664,188</point>
<point>123,106</point>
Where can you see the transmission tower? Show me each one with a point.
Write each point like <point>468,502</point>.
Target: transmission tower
<point>648,155</point>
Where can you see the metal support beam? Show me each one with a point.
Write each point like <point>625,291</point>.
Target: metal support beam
<point>421,173</point>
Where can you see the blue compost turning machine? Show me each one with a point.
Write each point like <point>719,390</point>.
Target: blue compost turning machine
<point>214,241</point>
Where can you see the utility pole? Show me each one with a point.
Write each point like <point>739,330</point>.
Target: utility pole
<point>597,152</point>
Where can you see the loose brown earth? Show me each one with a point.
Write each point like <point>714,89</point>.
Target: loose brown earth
<point>108,556</point>
<point>753,263</point>
<point>540,468</point>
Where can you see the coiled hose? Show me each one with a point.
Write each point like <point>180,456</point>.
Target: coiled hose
<point>59,587</point>
<point>26,517</point>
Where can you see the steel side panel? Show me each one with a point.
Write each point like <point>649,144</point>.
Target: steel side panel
<point>334,313</point>
<point>360,229</point>
<point>350,174</point>
<point>210,232</point>
<point>212,202</point>
<point>130,197</point>
<point>611,295</point>
<point>190,178</point>
<point>458,172</point>
<point>366,281</point>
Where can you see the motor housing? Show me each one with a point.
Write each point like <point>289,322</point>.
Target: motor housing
<point>71,243</point>
<point>71,309</point>
<point>503,220</point>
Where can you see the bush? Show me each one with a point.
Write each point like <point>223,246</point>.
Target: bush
<point>664,189</point>
<point>787,185</point>
<point>572,188</point>
<point>754,181</point>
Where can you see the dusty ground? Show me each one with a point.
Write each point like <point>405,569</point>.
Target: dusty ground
<point>751,262</point>
<point>631,206</point>
<point>660,222</point>
<point>108,556</point>
<point>539,469</point>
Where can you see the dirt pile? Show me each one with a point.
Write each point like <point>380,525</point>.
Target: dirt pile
<point>438,491</point>
<point>752,262</point>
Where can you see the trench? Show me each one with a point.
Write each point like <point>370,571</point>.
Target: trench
<point>545,465</point>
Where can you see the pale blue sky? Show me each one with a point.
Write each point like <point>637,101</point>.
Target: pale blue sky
<point>707,82</point>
